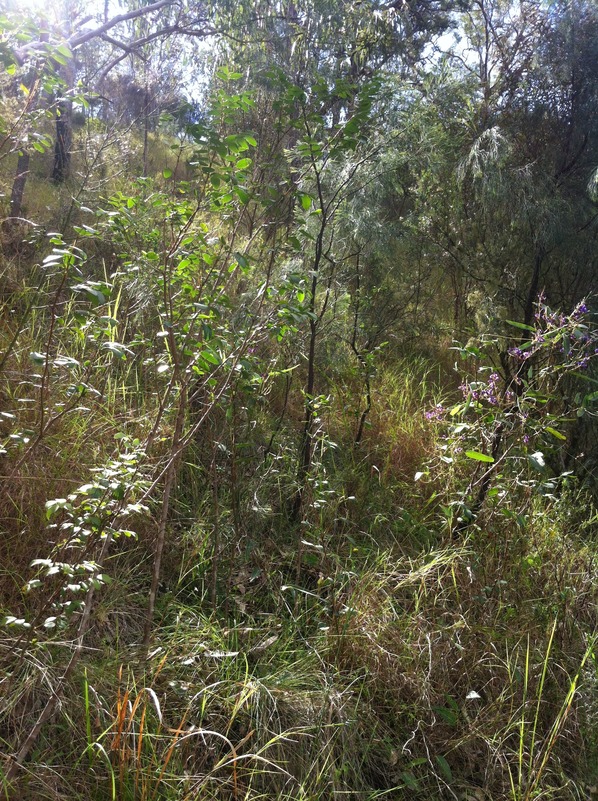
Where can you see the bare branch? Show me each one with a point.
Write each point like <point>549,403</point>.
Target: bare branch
<point>76,40</point>
<point>131,47</point>
<point>82,38</point>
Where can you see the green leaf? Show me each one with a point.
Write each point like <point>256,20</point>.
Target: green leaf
<point>556,433</point>
<point>52,507</point>
<point>449,716</point>
<point>566,345</point>
<point>242,194</point>
<point>410,780</point>
<point>520,325</point>
<point>305,201</point>
<point>210,357</point>
<point>445,768</point>
<point>242,261</point>
<point>584,376</point>
<point>97,297</point>
<point>479,457</point>
<point>225,74</point>
<point>242,164</point>
<point>65,51</point>
<point>117,349</point>
<point>167,173</point>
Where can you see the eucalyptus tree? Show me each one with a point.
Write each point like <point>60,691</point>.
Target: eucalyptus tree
<point>503,196</point>
<point>314,69</point>
<point>52,54</point>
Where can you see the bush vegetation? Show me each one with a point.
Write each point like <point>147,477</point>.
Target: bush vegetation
<point>298,397</point>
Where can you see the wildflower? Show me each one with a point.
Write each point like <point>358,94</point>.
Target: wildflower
<point>436,413</point>
<point>581,308</point>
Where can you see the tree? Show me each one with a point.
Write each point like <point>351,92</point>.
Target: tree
<point>54,54</point>
<point>500,188</point>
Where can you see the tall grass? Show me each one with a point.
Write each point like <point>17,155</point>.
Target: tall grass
<point>376,661</point>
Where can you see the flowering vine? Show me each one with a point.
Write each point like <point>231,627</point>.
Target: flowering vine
<point>520,402</point>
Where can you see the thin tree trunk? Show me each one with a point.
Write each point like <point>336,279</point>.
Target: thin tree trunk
<point>145,129</point>
<point>64,140</point>
<point>362,361</point>
<point>534,287</point>
<point>18,185</point>
<point>61,171</point>
<point>161,538</point>
<point>305,448</point>
<point>306,445</point>
<point>216,532</point>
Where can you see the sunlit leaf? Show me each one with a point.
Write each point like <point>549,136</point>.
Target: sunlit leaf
<point>479,457</point>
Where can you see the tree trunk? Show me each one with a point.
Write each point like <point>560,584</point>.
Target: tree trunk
<point>64,139</point>
<point>18,185</point>
<point>61,171</point>
<point>145,129</point>
<point>534,287</point>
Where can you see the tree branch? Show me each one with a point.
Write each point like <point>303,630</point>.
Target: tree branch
<point>76,40</point>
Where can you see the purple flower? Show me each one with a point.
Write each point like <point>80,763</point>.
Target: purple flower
<point>581,308</point>
<point>436,413</point>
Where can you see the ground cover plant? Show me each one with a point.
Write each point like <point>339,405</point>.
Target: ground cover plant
<point>298,390</point>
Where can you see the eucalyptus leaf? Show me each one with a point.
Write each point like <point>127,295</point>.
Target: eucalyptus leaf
<point>479,457</point>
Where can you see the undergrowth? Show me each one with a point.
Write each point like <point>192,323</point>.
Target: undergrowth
<point>251,551</point>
